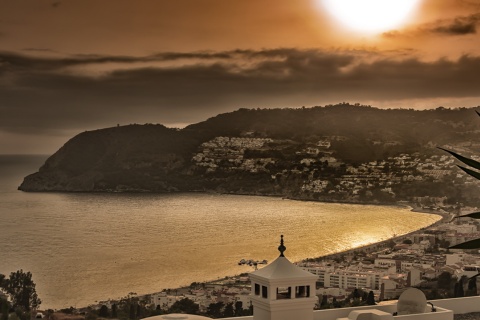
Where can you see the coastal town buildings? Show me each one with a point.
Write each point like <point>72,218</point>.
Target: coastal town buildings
<point>387,270</point>
<point>318,172</point>
<point>285,291</point>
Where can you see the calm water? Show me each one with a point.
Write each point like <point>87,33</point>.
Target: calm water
<point>87,247</point>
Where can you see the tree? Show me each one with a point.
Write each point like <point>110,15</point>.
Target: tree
<point>103,312</point>
<point>21,289</point>
<point>459,288</point>
<point>238,308</point>
<point>90,314</point>
<point>228,311</point>
<point>4,309</point>
<point>356,293</point>
<point>371,298</point>
<point>215,309</point>
<point>139,311</point>
<point>184,306</point>
<point>114,310</point>
<point>324,303</point>
<point>131,314</point>
<point>472,287</point>
<point>364,296</point>
<point>335,303</point>
<point>444,280</point>
<point>391,243</point>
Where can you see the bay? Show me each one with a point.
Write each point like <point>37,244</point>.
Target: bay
<point>86,247</point>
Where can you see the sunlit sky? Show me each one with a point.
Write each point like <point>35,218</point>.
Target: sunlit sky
<point>73,65</point>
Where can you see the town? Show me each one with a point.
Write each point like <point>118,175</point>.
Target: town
<point>314,172</point>
<point>368,275</point>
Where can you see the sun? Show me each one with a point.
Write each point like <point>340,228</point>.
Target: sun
<point>370,16</point>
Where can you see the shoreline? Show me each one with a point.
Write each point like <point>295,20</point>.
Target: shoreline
<point>445,217</point>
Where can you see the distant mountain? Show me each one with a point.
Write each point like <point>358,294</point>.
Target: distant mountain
<point>302,153</point>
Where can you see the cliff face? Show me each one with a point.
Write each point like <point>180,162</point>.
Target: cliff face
<point>341,152</point>
<point>130,158</point>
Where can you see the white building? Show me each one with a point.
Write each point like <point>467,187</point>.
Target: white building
<point>283,291</point>
<point>353,279</point>
<point>385,262</point>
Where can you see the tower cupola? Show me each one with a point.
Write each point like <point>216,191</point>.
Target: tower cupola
<point>283,291</point>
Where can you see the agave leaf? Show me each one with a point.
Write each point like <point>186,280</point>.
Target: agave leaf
<point>474,174</point>
<point>469,162</point>
<point>474,215</point>
<point>472,244</point>
<point>478,274</point>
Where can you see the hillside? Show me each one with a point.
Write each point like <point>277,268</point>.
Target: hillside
<point>333,153</point>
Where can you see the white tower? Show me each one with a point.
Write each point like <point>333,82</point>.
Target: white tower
<point>282,291</point>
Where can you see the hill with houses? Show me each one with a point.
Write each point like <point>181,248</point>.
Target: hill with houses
<point>344,152</point>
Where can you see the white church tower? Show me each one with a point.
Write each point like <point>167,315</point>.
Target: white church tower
<point>283,291</point>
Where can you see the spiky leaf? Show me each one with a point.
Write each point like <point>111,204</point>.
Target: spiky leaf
<point>474,174</point>
<point>473,215</point>
<point>472,244</point>
<point>478,274</point>
<point>469,162</point>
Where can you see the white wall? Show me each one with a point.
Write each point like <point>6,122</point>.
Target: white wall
<point>445,310</point>
<point>459,305</point>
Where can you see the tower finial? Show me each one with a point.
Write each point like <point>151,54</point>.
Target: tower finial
<point>281,248</point>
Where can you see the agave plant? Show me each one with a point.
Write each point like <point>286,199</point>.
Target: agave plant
<point>472,244</point>
<point>469,162</point>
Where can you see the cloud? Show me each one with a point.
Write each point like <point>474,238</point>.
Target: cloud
<point>458,26</point>
<point>39,50</point>
<point>38,96</point>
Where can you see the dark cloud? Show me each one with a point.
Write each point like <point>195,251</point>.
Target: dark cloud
<point>36,62</point>
<point>37,95</point>
<point>458,26</point>
<point>39,50</point>
<point>28,62</point>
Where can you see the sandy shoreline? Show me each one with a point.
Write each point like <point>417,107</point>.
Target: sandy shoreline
<point>445,217</point>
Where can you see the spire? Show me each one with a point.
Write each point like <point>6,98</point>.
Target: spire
<point>281,248</point>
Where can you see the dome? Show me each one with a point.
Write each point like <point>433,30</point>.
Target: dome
<point>178,316</point>
<point>411,301</point>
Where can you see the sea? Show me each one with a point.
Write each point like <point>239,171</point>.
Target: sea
<point>83,248</point>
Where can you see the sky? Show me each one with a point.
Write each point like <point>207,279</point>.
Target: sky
<point>67,66</point>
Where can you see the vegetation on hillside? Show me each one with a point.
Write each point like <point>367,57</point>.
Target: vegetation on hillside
<point>284,152</point>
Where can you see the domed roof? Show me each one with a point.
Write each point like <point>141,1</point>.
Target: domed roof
<point>177,316</point>
<point>282,268</point>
